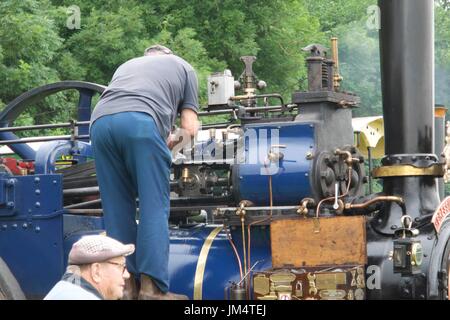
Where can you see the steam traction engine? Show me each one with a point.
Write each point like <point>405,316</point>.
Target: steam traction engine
<point>280,188</point>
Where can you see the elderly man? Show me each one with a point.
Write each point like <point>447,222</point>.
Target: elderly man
<point>130,135</point>
<point>96,271</point>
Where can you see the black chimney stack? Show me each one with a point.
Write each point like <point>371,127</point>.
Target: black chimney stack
<point>410,167</point>
<point>407,75</point>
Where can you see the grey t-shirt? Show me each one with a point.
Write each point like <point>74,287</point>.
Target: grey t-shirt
<point>160,85</point>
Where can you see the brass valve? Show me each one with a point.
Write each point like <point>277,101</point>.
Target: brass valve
<point>240,211</point>
<point>303,209</point>
<point>347,156</point>
<point>185,175</point>
<point>275,156</point>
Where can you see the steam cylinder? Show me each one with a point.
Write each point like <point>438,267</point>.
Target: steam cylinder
<point>293,141</point>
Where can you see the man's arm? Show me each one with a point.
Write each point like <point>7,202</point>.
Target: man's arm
<point>189,128</point>
<point>189,122</point>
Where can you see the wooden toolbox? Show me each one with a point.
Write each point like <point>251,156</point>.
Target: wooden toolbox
<point>312,258</point>
<point>313,242</point>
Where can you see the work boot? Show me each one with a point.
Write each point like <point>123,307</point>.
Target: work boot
<point>150,291</point>
<point>130,292</point>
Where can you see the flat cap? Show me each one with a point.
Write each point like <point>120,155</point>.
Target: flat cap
<point>97,248</point>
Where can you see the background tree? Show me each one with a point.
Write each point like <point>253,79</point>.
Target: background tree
<point>37,47</point>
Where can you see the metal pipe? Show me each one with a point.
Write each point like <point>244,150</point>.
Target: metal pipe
<point>369,160</point>
<point>271,108</point>
<point>253,96</point>
<point>83,204</point>
<point>260,208</point>
<point>273,95</point>
<point>207,200</point>
<point>24,151</point>
<point>337,78</point>
<point>216,112</point>
<point>100,211</point>
<point>398,200</point>
<point>215,126</point>
<point>81,191</point>
<point>94,212</point>
<point>188,208</point>
<point>248,109</point>
<point>439,141</point>
<point>41,139</point>
<point>45,126</point>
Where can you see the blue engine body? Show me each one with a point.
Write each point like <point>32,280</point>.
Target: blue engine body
<point>290,176</point>
<point>36,233</point>
<point>31,232</point>
<point>202,262</point>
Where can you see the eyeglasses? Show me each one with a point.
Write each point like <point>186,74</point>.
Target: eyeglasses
<point>123,265</point>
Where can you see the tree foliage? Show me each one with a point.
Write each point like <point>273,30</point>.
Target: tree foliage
<point>37,47</point>
<point>335,13</point>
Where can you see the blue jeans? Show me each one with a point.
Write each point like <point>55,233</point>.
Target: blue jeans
<point>132,160</point>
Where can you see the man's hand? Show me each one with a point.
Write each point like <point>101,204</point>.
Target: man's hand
<point>185,134</point>
<point>173,139</point>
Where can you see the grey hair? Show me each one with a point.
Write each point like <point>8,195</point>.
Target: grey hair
<point>157,49</point>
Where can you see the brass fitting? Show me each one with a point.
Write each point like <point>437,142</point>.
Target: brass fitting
<point>347,156</point>
<point>303,209</point>
<point>240,211</point>
<point>250,95</point>
<point>337,78</point>
<point>275,156</point>
<point>341,206</point>
<point>185,175</point>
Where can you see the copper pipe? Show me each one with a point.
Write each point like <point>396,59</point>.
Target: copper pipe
<point>398,200</point>
<point>241,212</point>
<point>259,221</point>
<point>256,222</point>
<point>248,248</point>
<point>235,253</point>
